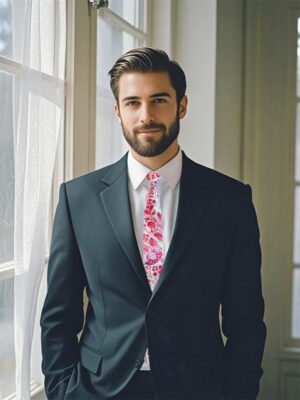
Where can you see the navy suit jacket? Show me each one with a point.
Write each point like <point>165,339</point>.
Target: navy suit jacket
<point>213,263</point>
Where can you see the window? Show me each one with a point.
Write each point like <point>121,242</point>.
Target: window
<point>32,48</point>
<point>119,28</point>
<point>295,322</point>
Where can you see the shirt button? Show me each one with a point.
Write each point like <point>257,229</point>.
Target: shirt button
<point>138,363</point>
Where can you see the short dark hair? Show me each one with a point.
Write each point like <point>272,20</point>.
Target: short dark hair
<point>147,59</point>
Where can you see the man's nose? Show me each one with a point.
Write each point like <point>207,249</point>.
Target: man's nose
<point>147,115</point>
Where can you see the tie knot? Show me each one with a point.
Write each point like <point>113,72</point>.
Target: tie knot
<point>152,176</point>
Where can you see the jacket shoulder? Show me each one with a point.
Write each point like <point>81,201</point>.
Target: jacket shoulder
<point>213,178</point>
<point>92,176</point>
<point>97,180</point>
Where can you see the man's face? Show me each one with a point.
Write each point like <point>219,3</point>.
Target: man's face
<point>148,111</point>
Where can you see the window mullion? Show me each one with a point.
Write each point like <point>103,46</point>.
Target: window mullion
<point>119,23</point>
<point>10,66</point>
<point>7,270</point>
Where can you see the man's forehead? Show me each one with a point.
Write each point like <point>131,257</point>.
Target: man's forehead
<point>144,84</point>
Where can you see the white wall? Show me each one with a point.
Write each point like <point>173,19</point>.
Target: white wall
<point>186,29</point>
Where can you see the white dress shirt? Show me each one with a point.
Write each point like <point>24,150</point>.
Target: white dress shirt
<point>138,184</point>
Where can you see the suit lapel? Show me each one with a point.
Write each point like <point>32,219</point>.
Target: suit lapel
<point>193,201</point>
<point>116,203</point>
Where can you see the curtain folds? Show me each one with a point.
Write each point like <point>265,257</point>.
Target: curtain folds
<point>38,106</point>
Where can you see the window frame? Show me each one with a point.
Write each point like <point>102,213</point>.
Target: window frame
<point>291,345</point>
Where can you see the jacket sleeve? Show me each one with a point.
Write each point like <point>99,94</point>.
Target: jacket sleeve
<point>243,308</point>
<point>62,313</point>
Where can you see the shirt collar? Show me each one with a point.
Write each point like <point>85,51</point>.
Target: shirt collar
<point>170,172</point>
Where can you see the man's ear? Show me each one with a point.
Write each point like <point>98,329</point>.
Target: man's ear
<point>183,107</point>
<point>117,112</point>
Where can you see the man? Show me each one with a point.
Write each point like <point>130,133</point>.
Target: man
<point>160,243</point>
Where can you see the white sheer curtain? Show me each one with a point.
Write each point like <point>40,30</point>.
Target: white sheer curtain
<point>38,122</point>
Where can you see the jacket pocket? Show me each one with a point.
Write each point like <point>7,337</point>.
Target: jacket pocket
<point>90,358</point>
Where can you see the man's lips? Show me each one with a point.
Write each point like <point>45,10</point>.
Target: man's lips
<point>149,131</point>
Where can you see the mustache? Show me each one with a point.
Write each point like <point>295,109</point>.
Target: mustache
<point>152,125</point>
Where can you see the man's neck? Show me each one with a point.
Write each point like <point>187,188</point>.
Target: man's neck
<point>157,162</point>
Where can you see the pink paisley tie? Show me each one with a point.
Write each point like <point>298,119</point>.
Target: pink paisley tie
<point>152,239</point>
<point>153,232</point>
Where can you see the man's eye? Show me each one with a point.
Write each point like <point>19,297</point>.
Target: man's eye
<point>159,100</point>
<point>132,103</point>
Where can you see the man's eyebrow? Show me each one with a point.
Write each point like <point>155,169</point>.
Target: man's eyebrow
<point>160,94</point>
<point>130,98</point>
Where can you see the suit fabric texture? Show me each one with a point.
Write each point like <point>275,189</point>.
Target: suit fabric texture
<point>213,260</point>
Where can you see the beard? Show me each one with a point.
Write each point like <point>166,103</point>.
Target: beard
<point>150,146</point>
